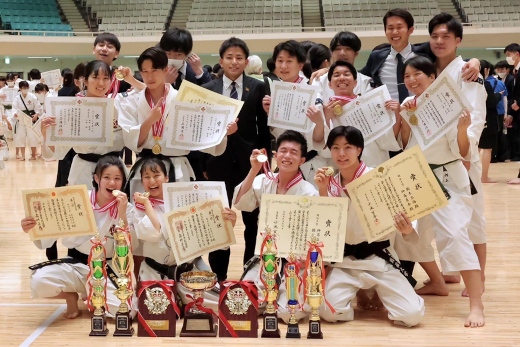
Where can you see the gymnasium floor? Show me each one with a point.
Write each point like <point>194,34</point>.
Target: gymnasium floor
<point>24,321</point>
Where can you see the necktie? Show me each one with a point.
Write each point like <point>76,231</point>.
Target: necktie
<point>178,81</point>
<point>403,92</point>
<point>234,93</point>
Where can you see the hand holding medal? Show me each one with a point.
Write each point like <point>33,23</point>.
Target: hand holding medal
<point>410,107</point>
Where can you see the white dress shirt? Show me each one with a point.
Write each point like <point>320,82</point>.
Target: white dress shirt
<point>388,72</point>
<point>239,85</point>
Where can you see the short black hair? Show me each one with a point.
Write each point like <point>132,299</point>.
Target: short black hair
<point>293,136</point>
<point>293,48</point>
<point>347,39</point>
<point>351,67</point>
<point>105,162</point>
<point>79,71</point>
<point>233,42</point>
<point>95,66</point>
<point>317,54</point>
<point>110,38</point>
<point>64,71</point>
<point>484,64</point>
<point>2,79</point>
<point>216,68</point>
<point>16,74</point>
<point>453,25</point>
<point>513,48</point>
<point>9,77</point>
<point>421,63</point>
<point>35,74</point>
<point>68,79</point>
<point>155,165</point>
<point>401,13</point>
<point>271,65</point>
<point>307,70</point>
<point>40,87</point>
<point>156,55</point>
<point>208,68</point>
<point>177,40</point>
<point>307,45</point>
<point>23,84</point>
<point>503,64</point>
<point>351,134</point>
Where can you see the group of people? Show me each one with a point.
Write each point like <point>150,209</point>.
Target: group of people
<point>367,271</point>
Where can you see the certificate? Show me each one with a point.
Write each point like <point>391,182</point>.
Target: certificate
<point>52,78</point>
<point>295,219</point>
<point>198,229</point>
<point>80,121</point>
<point>24,119</point>
<point>368,114</point>
<point>192,93</point>
<point>195,126</point>
<point>59,212</point>
<point>438,110</point>
<point>289,104</point>
<point>404,183</point>
<point>181,194</point>
<point>10,94</point>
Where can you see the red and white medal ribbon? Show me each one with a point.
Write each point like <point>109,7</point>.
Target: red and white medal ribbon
<point>345,99</point>
<point>158,127</point>
<point>111,206</point>
<point>335,187</point>
<point>298,80</point>
<point>114,86</point>
<point>153,201</point>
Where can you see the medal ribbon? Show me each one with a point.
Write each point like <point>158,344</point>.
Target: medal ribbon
<point>153,201</point>
<point>111,206</point>
<point>97,243</point>
<point>267,167</point>
<point>167,286</point>
<point>158,127</point>
<point>273,239</point>
<point>317,247</point>
<point>335,187</point>
<point>298,80</point>
<point>248,287</point>
<point>198,304</point>
<point>345,99</point>
<point>114,86</point>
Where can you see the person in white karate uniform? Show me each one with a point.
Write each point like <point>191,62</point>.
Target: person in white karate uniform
<point>141,114</point>
<point>8,106</point>
<point>291,148</point>
<point>97,80</point>
<point>67,278</point>
<point>34,78</point>
<point>24,104</point>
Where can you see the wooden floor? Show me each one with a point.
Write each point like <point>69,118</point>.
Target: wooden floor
<point>23,319</point>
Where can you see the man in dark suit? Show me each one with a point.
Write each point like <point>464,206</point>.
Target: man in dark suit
<point>512,52</point>
<point>253,133</point>
<point>503,70</point>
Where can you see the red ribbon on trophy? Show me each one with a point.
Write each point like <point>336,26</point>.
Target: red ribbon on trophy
<point>167,288</point>
<point>316,246</point>
<point>248,287</point>
<point>198,304</point>
<point>97,243</point>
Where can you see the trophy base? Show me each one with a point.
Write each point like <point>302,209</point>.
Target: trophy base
<point>123,325</point>
<point>314,330</point>
<point>293,331</point>
<point>199,325</point>
<point>99,326</point>
<point>270,329</point>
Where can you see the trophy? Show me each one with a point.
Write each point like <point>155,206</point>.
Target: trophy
<point>238,305</point>
<point>123,265</point>
<point>269,270</point>
<point>314,288</point>
<point>292,286</point>
<point>98,281</point>
<point>198,320</point>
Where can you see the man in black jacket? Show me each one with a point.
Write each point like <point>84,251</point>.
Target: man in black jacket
<point>512,52</point>
<point>503,70</point>
<point>253,133</point>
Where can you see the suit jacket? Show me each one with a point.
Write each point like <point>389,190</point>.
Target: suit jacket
<point>514,96</point>
<point>510,85</point>
<point>191,77</point>
<point>252,133</point>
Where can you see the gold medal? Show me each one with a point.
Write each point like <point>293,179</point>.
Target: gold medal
<point>414,120</point>
<point>116,192</point>
<point>156,149</point>
<point>262,158</point>
<point>146,194</point>
<point>119,75</point>
<point>329,171</point>
<point>338,110</point>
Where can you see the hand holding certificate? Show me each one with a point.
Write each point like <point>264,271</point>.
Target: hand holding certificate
<point>437,111</point>
<point>52,78</point>
<point>289,104</point>
<point>80,121</point>
<point>181,194</point>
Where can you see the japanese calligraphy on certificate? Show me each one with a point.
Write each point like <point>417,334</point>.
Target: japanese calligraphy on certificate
<point>295,219</point>
<point>52,78</point>
<point>368,114</point>
<point>289,104</point>
<point>198,229</point>
<point>181,194</point>
<point>404,183</point>
<point>196,126</point>
<point>192,93</point>
<point>438,110</point>
<point>80,121</point>
<point>59,212</point>
<point>10,94</point>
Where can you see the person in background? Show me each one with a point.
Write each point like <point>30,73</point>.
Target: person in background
<point>319,56</point>
<point>503,72</point>
<point>306,70</point>
<point>216,69</point>
<point>254,68</point>
<point>208,68</point>
<point>34,78</point>
<point>26,103</point>
<point>69,88</point>
<point>512,121</point>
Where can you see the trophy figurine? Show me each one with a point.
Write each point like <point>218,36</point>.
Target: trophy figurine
<point>314,289</point>
<point>198,320</point>
<point>270,264</point>
<point>292,286</point>
<point>123,264</point>
<point>98,279</point>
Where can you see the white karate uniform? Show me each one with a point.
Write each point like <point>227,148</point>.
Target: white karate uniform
<point>156,245</point>
<point>133,110</point>
<point>346,278</point>
<point>9,113</point>
<point>32,85</point>
<point>81,171</point>
<point>364,85</point>
<point>24,134</point>
<point>51,280</point>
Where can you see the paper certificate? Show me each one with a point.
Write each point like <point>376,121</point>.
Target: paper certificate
<point>80,121</point>
<point>24,119</point>
<point>194,126</point>
<point>368,114</point>
<point>59,212</point>
<point>289,104</point>
<point>438,110</point>
<point>295,219</point>
<point>10,94</point>
<point>198,229</point>
<point>404,183</point>
<point>192,93</point>
<point>181,194</point>
<point>52,78</point>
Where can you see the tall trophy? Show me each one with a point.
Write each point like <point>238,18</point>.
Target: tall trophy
<point>292,286</point>
<point>314,288</point>
<point>98,283</point>
<point>198,320</point>
<point>270,264</point>
<point>123,264</point>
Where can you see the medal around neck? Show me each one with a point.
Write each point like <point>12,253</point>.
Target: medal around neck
<point>338,110</point>
<point>262,158</point>
<point>119,75</point>
<point>329,171</point>
<point>116,192</point>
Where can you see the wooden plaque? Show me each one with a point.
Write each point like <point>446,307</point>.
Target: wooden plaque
<point>151,303</point>
<point>239,311</point>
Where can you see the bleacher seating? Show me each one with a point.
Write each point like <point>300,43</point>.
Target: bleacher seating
<point>497,11</point>
<point>33,15</point>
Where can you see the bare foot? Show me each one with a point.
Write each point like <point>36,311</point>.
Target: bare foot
<point>32,158</point>
<point>475,318</point>
<point>376,304</point>
<point>431,288</point>
<point>20,159</point>
<point>72,306</point>
<point>488,180</point>
<point>363,301</point>
<point>447,279</point>
<point>514,181</point>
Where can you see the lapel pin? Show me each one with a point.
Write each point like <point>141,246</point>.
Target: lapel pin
<point>247,89</point>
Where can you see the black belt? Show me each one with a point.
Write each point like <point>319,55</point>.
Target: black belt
<point>172,272</point>
<point>94,158</point>
<point>364,250</point>
<point>7,107</point>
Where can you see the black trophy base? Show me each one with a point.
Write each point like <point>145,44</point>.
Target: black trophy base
<point>314,330</point>
<point>293,331</point>
<point>99,326</point>
<point>199,325</point>
<point>123,325</point>
<point>270,329</point>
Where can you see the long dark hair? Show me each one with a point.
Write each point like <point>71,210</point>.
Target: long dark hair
<point>155,165</point>
<point>104,163</point>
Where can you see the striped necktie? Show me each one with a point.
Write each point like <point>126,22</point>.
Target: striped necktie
<point>234,93</point>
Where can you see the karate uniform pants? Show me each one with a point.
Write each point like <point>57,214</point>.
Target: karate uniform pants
<point>477,227</point>
<point>24,135</point>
